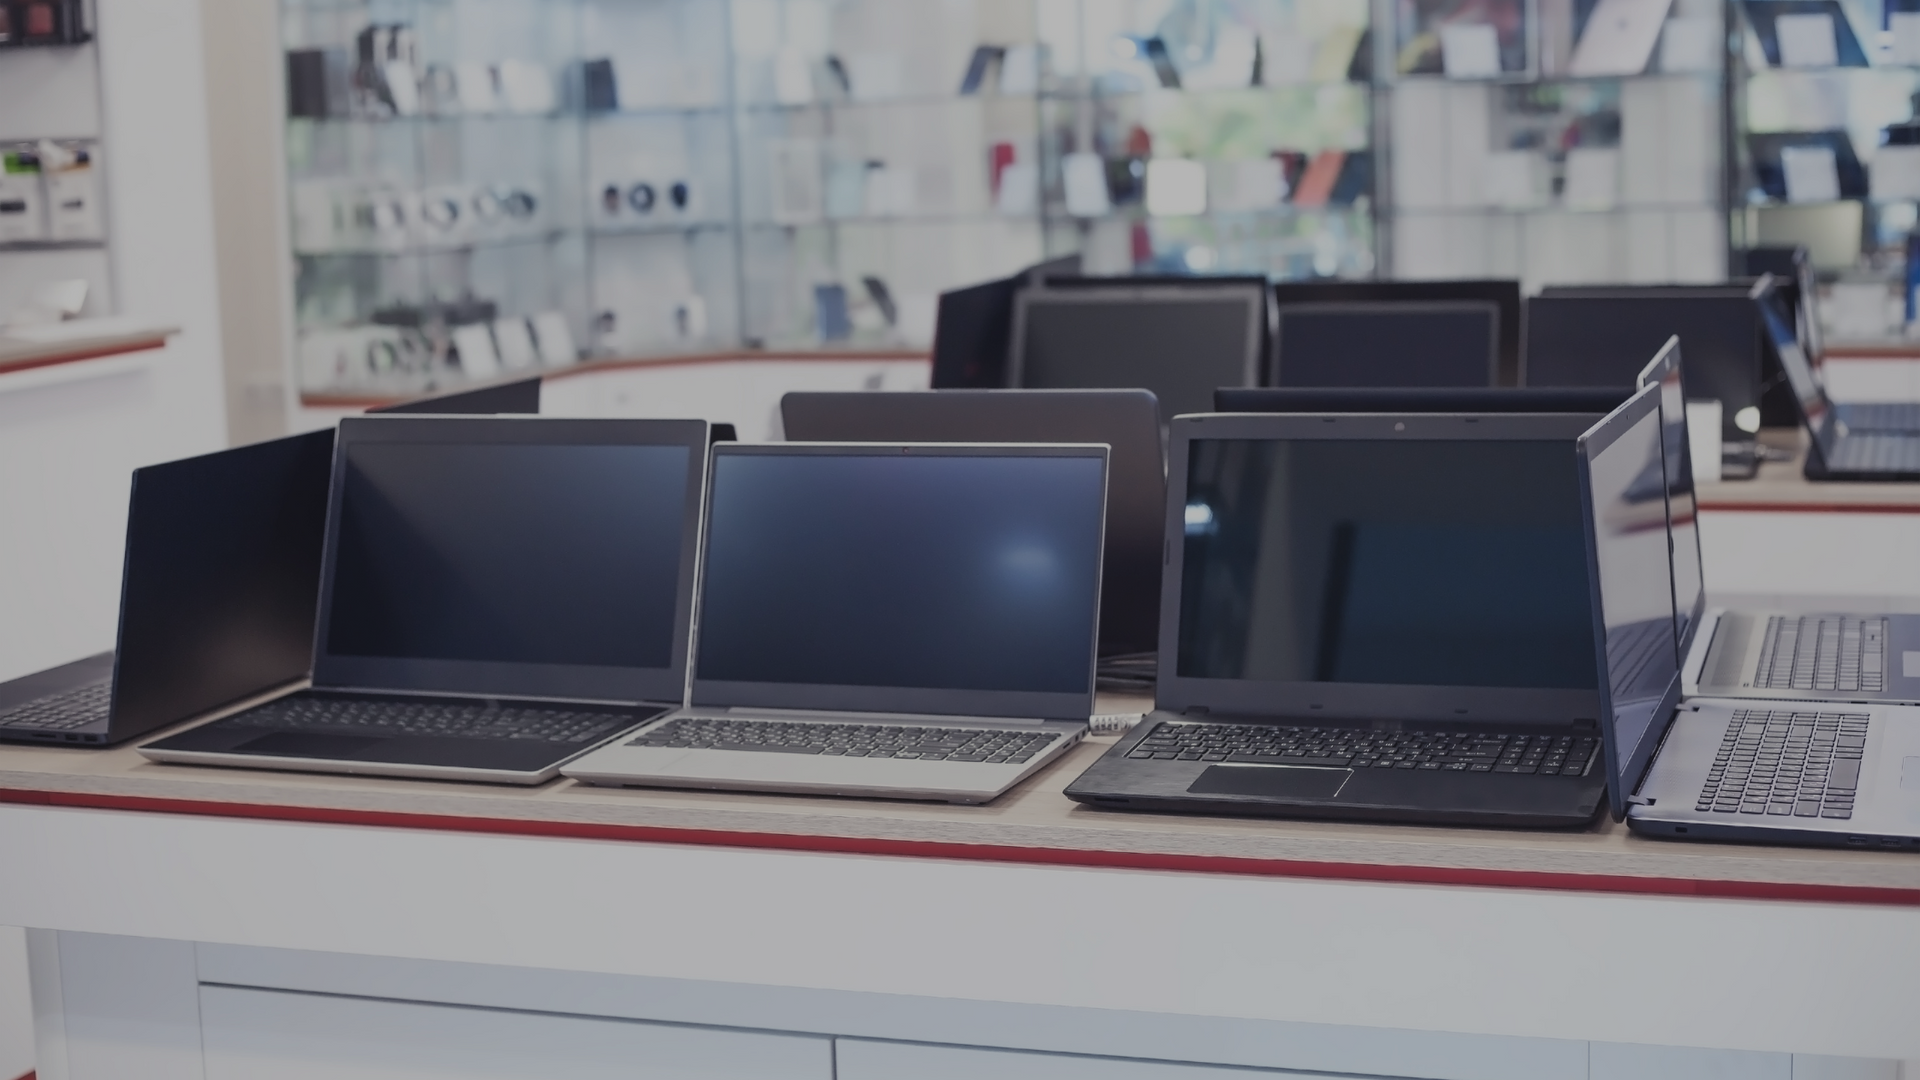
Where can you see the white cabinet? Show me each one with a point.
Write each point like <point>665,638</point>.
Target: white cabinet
<point>274,1035</point>
<point>860,1059</point>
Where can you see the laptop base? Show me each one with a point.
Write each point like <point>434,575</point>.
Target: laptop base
<point>95,670</point>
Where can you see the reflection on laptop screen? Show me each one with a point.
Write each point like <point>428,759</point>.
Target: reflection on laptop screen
<point>1397,345</point>
<point>1179,342</point>
<point>1434,563</point>
<point>1636,590</point>
<point>515,553</point>
<point>883,569</point>
<point>1682,515</point>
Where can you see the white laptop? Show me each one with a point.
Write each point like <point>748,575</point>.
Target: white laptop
<point>906,621</point>
<point>1767,771</point>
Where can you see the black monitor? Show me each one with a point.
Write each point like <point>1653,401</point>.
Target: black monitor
<point>1605,338</point>
<point>1498,399</point>
<point>1502,294</point>
<point>1178,341</point>
<point>518,396</point>
<point>1387,344</point>
<point>1128,421</point>
<point>973,327</point>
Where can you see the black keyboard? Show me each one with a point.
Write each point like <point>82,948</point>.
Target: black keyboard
<point>462,720</point>
<point>1353,748</point>
<point>1803,764</point>
<point>1823,652</point>
<point>1877,451</point>
<point>68,710</point>
<point>991,746</point>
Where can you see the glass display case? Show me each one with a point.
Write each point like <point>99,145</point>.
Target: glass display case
<point>1556,141</point>
<point>1208,136</point>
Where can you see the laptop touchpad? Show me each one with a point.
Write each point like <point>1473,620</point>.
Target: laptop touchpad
<point>1271,781</point>
<point>307,744</point>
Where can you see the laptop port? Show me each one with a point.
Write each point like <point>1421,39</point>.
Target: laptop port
<point>1892,841</point>
<point>1858,841</point>
<point>1679,828</point>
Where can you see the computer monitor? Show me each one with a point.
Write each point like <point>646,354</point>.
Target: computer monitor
<point>1127,421</point>
<point>1605,337</point>
<point>1597,401</point>
<point>1179,341</point>
<point>973,327</point>
<point>1387,344</point>
<point>518,396</point>
<point>1503,294</point>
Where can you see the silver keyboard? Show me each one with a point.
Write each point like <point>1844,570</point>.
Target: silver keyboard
<point>1787,763</point>
<point>1823,652</point>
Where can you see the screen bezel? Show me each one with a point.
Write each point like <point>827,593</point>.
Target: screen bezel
<point>565,682</point>
<point>1623,776</point>
<point>1665,362</point>
<point>1201,292</point>
<point>1175,692</point>
<point>1486,308</point>
<point>1046,705</point>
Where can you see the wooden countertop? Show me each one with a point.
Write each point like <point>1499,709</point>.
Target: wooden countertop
<point>27,348</point>
<point>1781,487</point>
<point>1034,823</point>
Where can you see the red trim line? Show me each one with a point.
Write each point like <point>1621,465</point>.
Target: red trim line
<point>25,1076</point>
<point>1120,860</point>
<point>90,354</point>
<point>1810,508</point>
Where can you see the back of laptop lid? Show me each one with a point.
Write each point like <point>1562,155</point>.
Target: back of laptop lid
<point>1386,567</point>
<point>1435,343</point>
<point>1630,577</point>
<point>957,580</point>
<point>1128,421</point>
<point>222,567</point>
<point>1598,401</point>
<point>527,557</point>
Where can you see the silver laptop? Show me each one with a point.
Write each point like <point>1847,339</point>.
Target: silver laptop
<point>1821,773</point>
<point>908,621</point>
<point>1830,656</point>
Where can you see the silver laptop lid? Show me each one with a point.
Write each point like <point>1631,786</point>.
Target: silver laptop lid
<point>941,579</point>
<point>1683,524</point>
<point>1400,567</point>
<point>1630,568</point>
<point>528,557</point>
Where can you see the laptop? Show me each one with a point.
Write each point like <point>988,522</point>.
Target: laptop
<point>1763,771</point>
<point>1377,617</point>
<point>1855,441</point>
<point>1598,401</point>
<point>1388,344</point>
<point>907,621</point>
<point>1128,421</point>
<point>497,596</point>
<point>216,598</point>
<point>1826,656</point>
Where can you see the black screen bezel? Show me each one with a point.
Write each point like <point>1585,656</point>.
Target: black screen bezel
<point>1175,692</point>
<point>1654,374</point>
<point>1623,776</point>
<point>1202,292</point>
<point>570,682</point>
<point>729,693</point>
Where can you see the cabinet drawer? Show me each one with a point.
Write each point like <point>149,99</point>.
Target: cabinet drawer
<point>858,1059</point>
<point>274,1035</point>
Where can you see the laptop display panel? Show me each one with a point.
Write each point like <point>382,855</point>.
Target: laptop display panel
<point>1683,523</point>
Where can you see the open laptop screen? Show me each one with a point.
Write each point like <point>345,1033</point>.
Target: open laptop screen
<point>1631,571</point>
<point>885,578</point>
<point>1387,344</point>
<point>1683,516</point>
<point>1430,563</point>
<point>1801,377</point>
<point>533,557</point>
<point>1178,341</point>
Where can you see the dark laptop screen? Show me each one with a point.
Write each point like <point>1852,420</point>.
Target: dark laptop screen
<point>1689,587</point>
<point>1632,569</point>
<point>928,570</point>
<point>509,553</point>
<point>1435,563</point>
<point>1387,344</point>
<point>1179,342</point>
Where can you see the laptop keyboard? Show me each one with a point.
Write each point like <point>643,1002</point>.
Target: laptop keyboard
<point>462,720</point>
<point>993,747</point>
<point>1876,451</point>
<point>1803,764</point>
<point>1448,751</point>
<point>1881,415</point>
<point>68,710</point>
<point>1823,652</point>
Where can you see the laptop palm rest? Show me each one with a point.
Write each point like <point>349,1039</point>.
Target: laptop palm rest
<point>308,745</point>
<point>1271,781</point>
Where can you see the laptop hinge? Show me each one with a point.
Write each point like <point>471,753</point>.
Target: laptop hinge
<point>1639,800</point>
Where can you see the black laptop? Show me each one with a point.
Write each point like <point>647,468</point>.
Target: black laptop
<point>1376,617</point>
<point>1837,449</point>
<point>498,595</point>
<point>1127,421</point>
<point>216,598</point>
